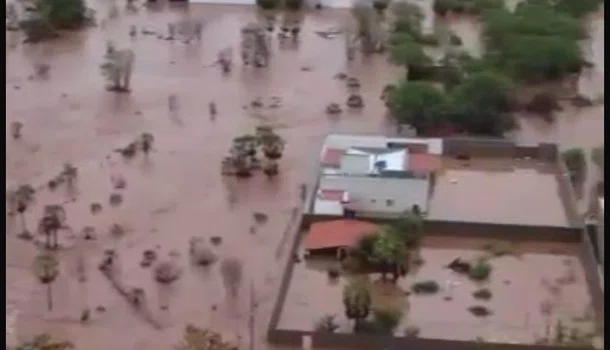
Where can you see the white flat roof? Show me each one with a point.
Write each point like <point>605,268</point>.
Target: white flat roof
<point>341,141</point>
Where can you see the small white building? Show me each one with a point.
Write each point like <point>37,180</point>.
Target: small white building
<point>375,175</point>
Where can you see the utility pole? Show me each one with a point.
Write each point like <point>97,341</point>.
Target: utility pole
<point>251,314</point>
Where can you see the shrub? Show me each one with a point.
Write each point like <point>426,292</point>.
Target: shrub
<point>364,247</point>
<point>387,319</point>
<point>403,25</point>
<point>326,324</point>
<point>333,272</point>
<point>428,39</point>
<point>425,287</point>
<point>483,294</point>
<point>64,14</point>
<point>380,5</point>
<point>454,39</point>
<point>597,156</point>
<point>352,264</point>
<point>480,271</point>
<point>293,4</point>
<point>411,332</point>
<point>479,311</point>
<point>575,161</point>
<point>442,7</point>
<point>401,37</point>
<point>267,4</point>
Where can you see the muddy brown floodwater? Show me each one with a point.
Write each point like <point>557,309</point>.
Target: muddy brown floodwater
<point>179,193</point>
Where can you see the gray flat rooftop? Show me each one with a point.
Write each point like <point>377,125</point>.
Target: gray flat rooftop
<point>490,191</point>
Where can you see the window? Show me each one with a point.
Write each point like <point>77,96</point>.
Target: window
<point>389,202</point>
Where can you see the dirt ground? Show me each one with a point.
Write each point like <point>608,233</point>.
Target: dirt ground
<point>530,270</point>
<point>179,193</point>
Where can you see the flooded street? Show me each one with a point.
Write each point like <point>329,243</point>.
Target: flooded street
<point>179,192</point>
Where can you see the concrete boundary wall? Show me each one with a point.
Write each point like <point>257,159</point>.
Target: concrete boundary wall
<point>475,229</point>
<point>498,148</point>
<point>380,342</point>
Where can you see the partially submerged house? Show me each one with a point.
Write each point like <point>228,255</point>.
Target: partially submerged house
<point>375,176</point>
<point>330,237</point>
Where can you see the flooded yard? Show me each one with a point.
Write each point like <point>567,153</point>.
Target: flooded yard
<point>539,273</point>
<point>516,191</point>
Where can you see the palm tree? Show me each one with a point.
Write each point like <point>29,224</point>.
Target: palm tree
<point>53,219</point>
<point>271,168</point>
<point>46,268</point>
<point>21,199</point>
<point>45,342</point>
<point>146,142</point>
<point>390,251</point>
<point>357,302</point>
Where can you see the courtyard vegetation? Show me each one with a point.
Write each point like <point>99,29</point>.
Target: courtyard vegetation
<point>389,251</point>
<point>537,43</point>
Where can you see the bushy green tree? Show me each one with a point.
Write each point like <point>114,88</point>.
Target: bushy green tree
<point>577,8</point>
<point>409,53</point>
<point>410,227</point>
<point>535,43</point>
<point>418,104</point>
<point>64,14</point>
<point>481,103</point>
<point>538,58</point>
<point>390,251</point>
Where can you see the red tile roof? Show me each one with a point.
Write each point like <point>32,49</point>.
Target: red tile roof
<point>337,233</point>
<point>424,163</point>
<point>331,195</point>
<point>332,157</point>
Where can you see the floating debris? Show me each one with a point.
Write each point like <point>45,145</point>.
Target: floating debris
<point>333,109</point>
